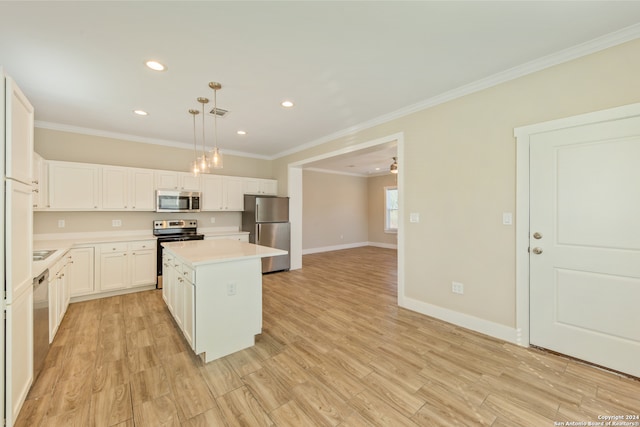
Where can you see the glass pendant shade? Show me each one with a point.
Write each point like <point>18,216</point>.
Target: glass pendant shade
<point>394,166</point>
<point>216,158</point>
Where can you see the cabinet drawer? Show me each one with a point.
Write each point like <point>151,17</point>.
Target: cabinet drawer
<point>141,245</point>
<point>188,273</point>
<point>113,247</point>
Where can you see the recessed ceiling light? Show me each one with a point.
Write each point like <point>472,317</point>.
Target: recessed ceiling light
<point>287,104</point>
<point>155,65</point>
<point>140,112</point>
<point>242,132</point>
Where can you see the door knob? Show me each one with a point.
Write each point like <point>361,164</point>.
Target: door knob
<point>537,236</point>
<point>537,251</point>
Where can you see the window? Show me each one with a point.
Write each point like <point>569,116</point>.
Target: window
<point>391,209</point>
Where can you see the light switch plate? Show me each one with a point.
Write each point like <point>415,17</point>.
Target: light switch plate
<point>507,218</point>
<point>414,217</point>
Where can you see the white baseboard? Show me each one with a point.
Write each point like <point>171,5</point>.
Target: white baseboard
<point>476,324</point>
<point>384,245</point>
<point>347,246</point>
<point>333,248</point>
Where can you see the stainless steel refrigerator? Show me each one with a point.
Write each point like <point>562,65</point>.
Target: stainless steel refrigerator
<point>266,218</point>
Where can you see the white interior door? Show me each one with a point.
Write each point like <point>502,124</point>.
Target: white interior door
<point>585,243</point>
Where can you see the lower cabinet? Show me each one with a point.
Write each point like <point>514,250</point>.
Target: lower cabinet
<point>59,293</point>
<point>19,355</point>
<point>80,277</point>
<point>126,265</point>
<point>178,292</point>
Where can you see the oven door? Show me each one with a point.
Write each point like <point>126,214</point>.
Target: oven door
<point>177,201</point>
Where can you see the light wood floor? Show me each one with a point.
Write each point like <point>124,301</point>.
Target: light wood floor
<point>335,350</point>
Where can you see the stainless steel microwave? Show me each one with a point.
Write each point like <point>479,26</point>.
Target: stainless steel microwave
<point>177,201</point>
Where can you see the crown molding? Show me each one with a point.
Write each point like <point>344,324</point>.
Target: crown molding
<point>604,42</point>
<point>135,138</point>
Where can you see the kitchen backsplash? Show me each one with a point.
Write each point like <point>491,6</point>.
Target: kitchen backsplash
<point>79,222</point>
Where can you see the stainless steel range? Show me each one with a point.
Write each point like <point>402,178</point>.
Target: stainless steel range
<point>173,230</point>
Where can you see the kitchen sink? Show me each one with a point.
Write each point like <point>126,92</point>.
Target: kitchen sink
<point>43,254</point>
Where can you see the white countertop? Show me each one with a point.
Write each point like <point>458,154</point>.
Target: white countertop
<point>202,252</point>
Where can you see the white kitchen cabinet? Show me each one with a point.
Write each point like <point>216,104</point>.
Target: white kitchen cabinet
<point>267,187</point>
<point>222,193</point>
<point>188,304</point>
<point>127,189</point>
<point>212,192</point>
<point>143,263</point>
<point>19,353</point>
<point>171,180</point>
<point>59,293</point>
<point>74,186</point>
<point>127,264</point>
<point>167,279</point>
<point>141,189</point>
<point>114,266</point>
<point>80,277</point>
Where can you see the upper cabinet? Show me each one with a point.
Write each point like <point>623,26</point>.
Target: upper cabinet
<point>74,186</point>
<point>261,186</point>
<point>127,189</point>
<point>18,133</point>
<point>71,186</point>
<point>222,193</point>
<point>171,180</point>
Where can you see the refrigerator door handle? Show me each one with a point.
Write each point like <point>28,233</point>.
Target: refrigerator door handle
<point>257,213</point>
<point>258,232</point>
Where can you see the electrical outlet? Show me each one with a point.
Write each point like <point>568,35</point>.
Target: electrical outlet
<point>116,223</point>
<point>232,288</point>
<point>457,288</point>
<point>212,219</point>
<point>61,223</point>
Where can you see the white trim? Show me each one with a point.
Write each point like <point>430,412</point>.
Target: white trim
<point>604,42</point>
<point>457,318</point>
<point>523,142</point>
<point>334,172</point>
<point>333,248</point>
<point>135,138</point>
<point>383,245</point>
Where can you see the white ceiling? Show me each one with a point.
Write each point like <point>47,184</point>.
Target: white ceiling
<point>342,63</point>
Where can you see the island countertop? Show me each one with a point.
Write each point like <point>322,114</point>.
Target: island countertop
<point>202,252</point>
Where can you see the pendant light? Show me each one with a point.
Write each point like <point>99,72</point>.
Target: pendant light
<point>203,160</point>
<point>195,167</point>
<point>394,166</point>
<point>215,157</point>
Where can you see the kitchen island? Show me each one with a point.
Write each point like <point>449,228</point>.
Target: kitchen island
<point>213,289</point>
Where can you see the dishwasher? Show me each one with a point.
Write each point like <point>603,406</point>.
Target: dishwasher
<point>40,321</point>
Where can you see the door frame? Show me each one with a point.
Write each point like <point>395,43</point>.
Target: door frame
<point>294,181</point>
<point>523,140</point>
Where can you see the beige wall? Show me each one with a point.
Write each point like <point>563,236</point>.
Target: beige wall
<point>375,189</point>
<point>460,171</point>
<point>334,210</point>
<point>75,147</point>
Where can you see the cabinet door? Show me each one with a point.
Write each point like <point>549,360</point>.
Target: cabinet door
<point>19,353</point>
<point>188,320</point>
<point>143,267</point>
<point>80,274</point>
<point>73,186</point>
<point>114,188</point>
<point>142,190</point>
<point>212,193</point>
<point>53,306</point>
<point>188,182</point>
<point>166,180</point>
<point>234,193</point>
<point>18,135</point>
<point>113,270</point>
<point>178,307</point>
<point>251,186</point>
<point>18,239</point>
<point>270,187</point>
